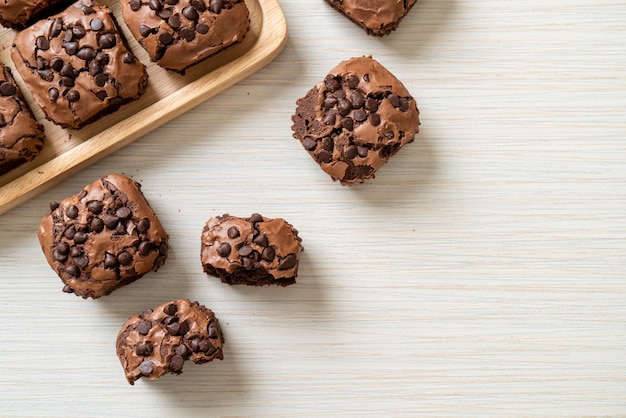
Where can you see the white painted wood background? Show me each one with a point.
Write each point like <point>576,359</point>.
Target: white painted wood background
<point>482,273</point>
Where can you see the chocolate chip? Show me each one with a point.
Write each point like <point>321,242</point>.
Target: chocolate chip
<point>360,115</point>
<point>111,221</point>
<point>362,151</point>
<point>171,309</point>
<point>324,156</point>
<point>72,96</point>
<point>66,82</point>
<point>184,328</point>
<point>171,2</point>
<point>144,348</point>
<point>146,367</point>
<point>102,58</point>
<point>78,32</point>
<point>176,363</point>
<point>190,13</point>
<point>145,30</point>
<point>261,240</point>
<point>212,330</point>
<point>224,249</point>
<point>216,6</point>
<point>107,40</point>
<point>70,232</point>
<point>353,81</point>
<point>96,225</point>
<point>165,13</point>
<point>202,28</point>
<point>199,5</point>
<point>309,143</point>
<point>42,43</point>
<point>75,251</point>
<point>56,63</point>
<point>366,78</point>
<point>394,100</point>
<point>72,212</point>
<point>343,106</point>
<point>40,63</point>
<point>330,102</point>
<point>233,232</point>
<point>404,104</point>
<point>71,48</point>
<point>375,119</point>
<point>194,344</point>
<point>80,237</point>
<point>67,289</point>
<point>123,213</point>
<point>135,5</point>
<point>371,104</point>
<point>101,80</point>
<point>348,123</point>
<point>287,262</point>
<point>81,261</point>
<point>187,34</point>
<point>268,254</point>
<point>204,345</point>
<point>143,225</point>
<point>357,100</point>
<point>170,319</point>
<point>173,328</point>
<point>56,28</point>
<point>68,36</point>
<point>181,350</point>
<point>329,118</point>
<point>389,135</point>
<point>7,89</point>
<point>165,38</point>
<point>174,21</point>
<point>255,218</point>
<point>332,83</point>
<point>53,94</point>
<point>62,248</point>
<point>86,53</point>
<point>72,270</point>
<point>129,58</point>
<point>155,4</point>
<point>245,251</point>
<point>163,248</point>
<point>87,10</point>
<point>109,260</point>
<point>351,152</point>
<point>59,257</point>
<point>124,258</point>
<point>144,327</point>
<point>46,75</point>
<point>144,248</point>
<point>53,205</point>
<point>327,143</point>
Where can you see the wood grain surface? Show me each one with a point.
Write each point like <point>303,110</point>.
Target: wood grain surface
<point>482,273</point>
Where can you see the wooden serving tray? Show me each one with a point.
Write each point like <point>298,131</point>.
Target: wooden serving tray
<point>169,94</point>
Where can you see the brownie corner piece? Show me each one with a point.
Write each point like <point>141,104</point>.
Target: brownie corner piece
<point>160,340</point>
<point>77,66</point>
<point>355,120</point>
<point>178,34</point>
<point>17,14</point>
<point>254,251</point>
<point>103,238</point>
<point>21,136</point>
<point>378,17</point>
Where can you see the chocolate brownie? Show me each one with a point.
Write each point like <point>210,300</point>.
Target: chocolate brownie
<point>21,136</point>
<point>255,251</point>
<point>77,66</point>
<point>179,33</point>
<point>18,13</point>
<point>354,120</point>
<point>160,340</point>
<point>377,17</point>
<point>103,238</point>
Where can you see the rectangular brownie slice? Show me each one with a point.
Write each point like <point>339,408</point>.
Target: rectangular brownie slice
<point>77,66</point>
<point>377,17</point>
<point>18,13</point>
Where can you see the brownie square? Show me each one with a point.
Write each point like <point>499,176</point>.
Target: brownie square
<point>160,340</point>
<point>77,66</point>
<point>179,33</point>
<point>18,13</point>
<point>255,251</point>
<point>21,136</point>
<point>103,238</point>
<point>354,120</point>
<point>377,17</point>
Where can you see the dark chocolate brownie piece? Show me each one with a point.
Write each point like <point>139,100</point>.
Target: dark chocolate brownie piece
<point>103,238</point>
<point>160,340</point>
<point>21,136</point>
<point>377,17</point>
<point>77,66</point>
<point>18,13</point>
<point>255,251</point>
<point>179,33</point>
<point>354,120</point>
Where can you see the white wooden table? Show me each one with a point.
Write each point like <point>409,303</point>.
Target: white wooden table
<point>482,273</point>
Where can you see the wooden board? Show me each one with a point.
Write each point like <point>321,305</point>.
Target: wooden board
<point>169,94</point>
